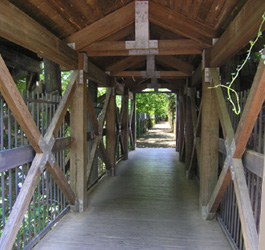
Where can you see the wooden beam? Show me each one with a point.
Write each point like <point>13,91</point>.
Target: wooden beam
<point>196,78</point>
<point>111,132</point>
<point>238,34</point>
<point>175,63</point>
<point>125,123</point>
<point>104,27</point>
<point>165,47</point>
<point>177,23</point>
<point>97,75</point>
<point>251,110</point>
<point>125,63</point>
<point>26,32</point>
<point>163,74</point>
<point>209,145</point>
<point>78,130</point>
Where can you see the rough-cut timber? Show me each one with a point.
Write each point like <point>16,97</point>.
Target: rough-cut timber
<point>243,29</point>
<point>26,32</point>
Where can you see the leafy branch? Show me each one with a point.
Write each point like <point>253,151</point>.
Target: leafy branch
<point>236,106</point>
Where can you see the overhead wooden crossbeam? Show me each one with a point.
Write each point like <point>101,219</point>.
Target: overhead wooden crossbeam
<point>42,145</point>
<point>125,63</point>
<point>165,47</point>
<point>177,23</point>
<point>93,73</point>
<point>238,34</point>
<point>27,33</point>
<point>235,147</point>
<point>104,27</point>
<point>175,63</point>
<point>142,74</point>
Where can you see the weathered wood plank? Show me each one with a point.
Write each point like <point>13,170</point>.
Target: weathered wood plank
<point>107,26</point>
<point>238,34</point>
<point>26,32</point>
<point>92,113</point>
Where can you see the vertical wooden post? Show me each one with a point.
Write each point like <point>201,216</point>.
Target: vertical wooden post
<point>52,76</point>
<point>125,123</point>
<point>188,132</point>
<point>133,127</point>
<point>181,125</point>
<point>92,88</point>
<point>111,133</point>
<point>78,119</point>
<point>177,122</point>
<point>209,142</point>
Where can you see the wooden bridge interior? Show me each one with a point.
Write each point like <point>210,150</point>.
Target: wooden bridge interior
<point>126,47</point>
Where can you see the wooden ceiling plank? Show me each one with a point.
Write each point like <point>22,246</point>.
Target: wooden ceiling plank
<point>176,63</point>
<point>179,24</point>
<point>238,34</point>
<point>165,47</point>
<point>104,27</point>
<point>27,33</point>
<point>125,63</point>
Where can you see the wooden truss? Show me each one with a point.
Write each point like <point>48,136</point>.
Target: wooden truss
<point>235,145</point>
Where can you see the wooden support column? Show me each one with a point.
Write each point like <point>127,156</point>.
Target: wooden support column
<point>125,123</point>
<point>78,170</point>
<point>93,91</point>
<point>181,125</point>
<point>111,133</point>
<point>133,123</point>
<point>209,143</point>
<point>262,214</point>
<point>188,131</point>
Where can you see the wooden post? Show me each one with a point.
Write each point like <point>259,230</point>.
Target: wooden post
<point>188,131</point>
<point>111,133</point>
<point>78,170</point>
<point>125,122</point>
<point>92,89</point>
<point>52,76</point>
<point>133,125</point>
<point>181,125</point>
<point>209,143</point>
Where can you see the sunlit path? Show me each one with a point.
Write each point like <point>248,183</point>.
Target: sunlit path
<point>160,136</point>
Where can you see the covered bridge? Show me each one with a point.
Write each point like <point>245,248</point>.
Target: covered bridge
<point>54,148</point>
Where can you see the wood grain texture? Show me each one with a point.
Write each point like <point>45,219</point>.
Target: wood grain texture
<point>26,32</point>
<point>149,204</point>
<point>241,30</point>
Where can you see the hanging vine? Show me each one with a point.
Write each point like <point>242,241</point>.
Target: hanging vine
<point>235,105</point>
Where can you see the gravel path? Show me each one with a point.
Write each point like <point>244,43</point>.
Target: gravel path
<point>160,136</point>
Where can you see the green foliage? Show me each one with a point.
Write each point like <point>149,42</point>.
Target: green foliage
<point>236,106</point>
<point>155,104</point>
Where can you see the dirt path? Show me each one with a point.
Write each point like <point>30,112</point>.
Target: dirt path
<point>160,136</point>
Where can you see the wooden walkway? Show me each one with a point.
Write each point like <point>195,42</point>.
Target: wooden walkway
<point>149,204</point>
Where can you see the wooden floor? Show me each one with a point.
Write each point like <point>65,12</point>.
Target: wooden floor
<point>148,205</point>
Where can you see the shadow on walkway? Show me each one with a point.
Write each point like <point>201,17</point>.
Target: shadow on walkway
<point>160,136</point>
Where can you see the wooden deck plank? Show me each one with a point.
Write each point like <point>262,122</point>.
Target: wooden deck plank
<point>149,204</point>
